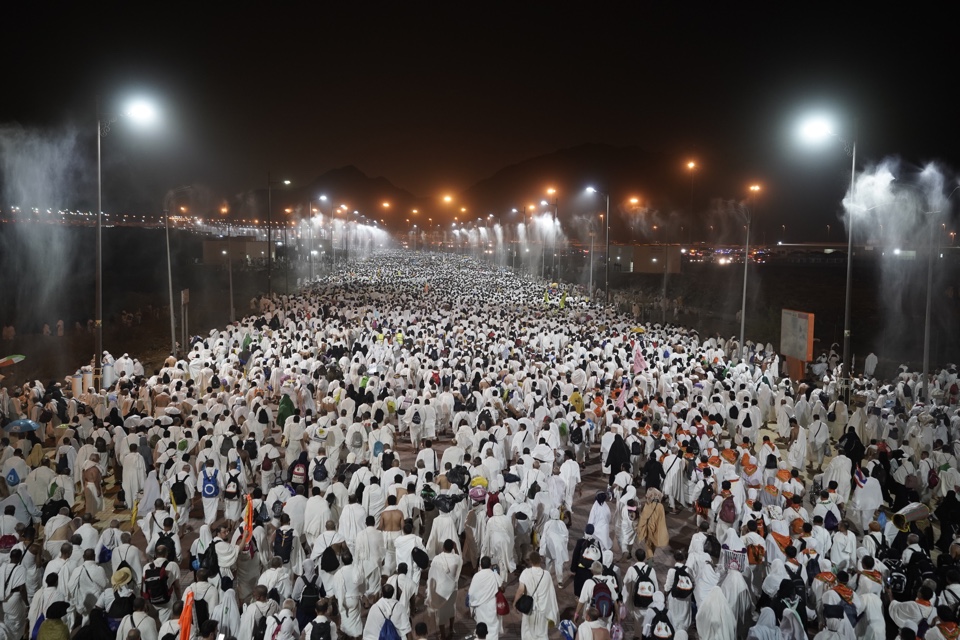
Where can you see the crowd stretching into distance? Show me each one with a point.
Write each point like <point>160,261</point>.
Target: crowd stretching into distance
<point>403,451</point>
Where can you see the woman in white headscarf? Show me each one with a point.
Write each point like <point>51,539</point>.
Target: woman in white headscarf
<point>715,620</point>
<point>227,614</point>
<point>553,545</point>
<point>600,519</point>
<point>627,520</point>
<point>151,492</point>
<point>734,587</point>
<point>840,469</point>
<point>776,574</point>
<point>202,543</point>
<point>705,577</point>
<point>498,541</point>
<point>766,627</point>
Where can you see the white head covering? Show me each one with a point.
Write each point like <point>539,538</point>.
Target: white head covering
<point>766,627</point>
<point>776,575</point>
<point>227,614</point>
<point>715,620</point>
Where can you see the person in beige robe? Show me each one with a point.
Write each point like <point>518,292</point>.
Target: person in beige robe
<point>652,524</point>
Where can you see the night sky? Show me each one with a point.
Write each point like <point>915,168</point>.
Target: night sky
<point>436,97</point>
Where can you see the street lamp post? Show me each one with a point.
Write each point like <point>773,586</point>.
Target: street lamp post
<point>144,112</point>
<point>819,129</point>
<point>754,189</point>
<point>606,265</point>
<point>270,183</point>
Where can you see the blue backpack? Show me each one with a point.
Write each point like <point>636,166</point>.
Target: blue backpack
<point>211,488</point>
<point>389,630</point>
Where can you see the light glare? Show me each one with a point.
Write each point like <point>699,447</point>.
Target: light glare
<point>816,129</point>
<point>142,111</point>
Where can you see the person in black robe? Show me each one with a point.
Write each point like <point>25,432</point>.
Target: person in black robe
<point>948,513</point>
<point>580,566</point>
<point>653,473</point>
<point>852,447</point>
<point>618,456</point>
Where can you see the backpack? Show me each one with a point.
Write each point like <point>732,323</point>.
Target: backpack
<point>705,500</point>
<point>356,440</point>
<point>897,579</point>
<point>231,490</point>
<point>643,588</point>
<point>215,382</point>
<point>813,569</point>
<point>63,465</point>
<point>830,521</point>
<point>555,394</point>
<point>155,587</point>
<point>682,584</point>
<point>250,446</point>
<point>320,630</point>
<point>377,448</point>
<point>320,473</point>
<point>920,569</point>
<point>428,495</point>
<point>226,446</point>
<point>416,419</point>
<point>267,464</point>
<point>120,608</point>
<point>309,597</point>
<point>728,510</point>
<point>13,478</point>
<point>389,630</point>
<point>933,478</point>
<point>576,436</point>
<point>283,544</point>
<point>882,548</point>
<point>799,583</point>
<point>260,628</point>
<point>209,559</point>
<point>299,474</point>
<point>660,627</point>
<point>420,557</point>
<point>211,488</point>
<point>201,610</point>
<point>329,561</point>
<point>756,554</point>
<point>105,555</point>
<point>636,449</point>
<point>166,540</point>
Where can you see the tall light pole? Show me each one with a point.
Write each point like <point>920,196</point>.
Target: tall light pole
<point>224,211</point>
<point>139,111</point>
<point>270,183</point>
<point>754,190</point>
<point>606,265</point>
<point>812,130</point>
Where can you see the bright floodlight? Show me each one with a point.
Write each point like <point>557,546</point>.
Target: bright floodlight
<point>323,197</point>
<point>816,129</point>
<point>142,111</point>
<point>286,182</point>
<point>591,190</point>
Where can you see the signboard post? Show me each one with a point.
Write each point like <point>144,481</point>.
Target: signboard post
<point>796,341</point>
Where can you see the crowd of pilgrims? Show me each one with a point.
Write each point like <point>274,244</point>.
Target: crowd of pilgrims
<point>351,452</point>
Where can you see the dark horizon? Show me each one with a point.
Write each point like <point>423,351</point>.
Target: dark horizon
<point>438,100</point>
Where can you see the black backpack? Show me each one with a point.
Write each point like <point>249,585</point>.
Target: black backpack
<point>919,569</point>
<point>63,465</point>
<point>800,585</point>
<point>576,436</point>
<point>329,561</point>
<point>166,540</point>
<point>226,446</point>
<point>155,587</point>
<point>636,448</point>
<point>250,446</point>
<point>705,500</point>
<point>309,597</point>
<point>320,630</point>
<point>260,628</point>
<point>201,610</point>
<point>283,544</point>
<point>643,600</point>
<point>179,491</point>
<point>209,559</point>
